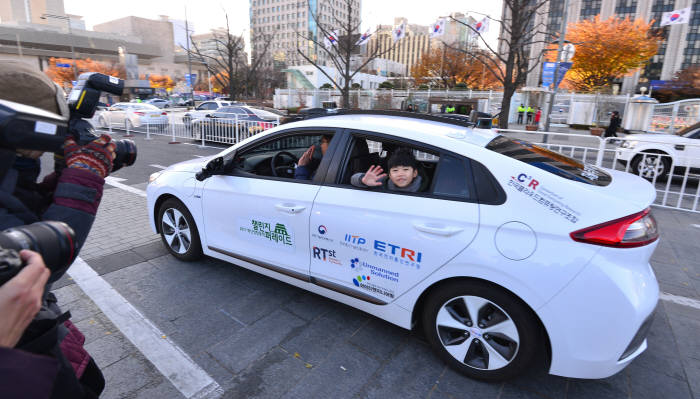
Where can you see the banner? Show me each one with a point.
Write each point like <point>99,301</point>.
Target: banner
<point>676,17</point>
<point>548,73</point>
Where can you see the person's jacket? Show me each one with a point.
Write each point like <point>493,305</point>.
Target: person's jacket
<point>521,109</point>
<point>73,198</point>
<point>615,122</point>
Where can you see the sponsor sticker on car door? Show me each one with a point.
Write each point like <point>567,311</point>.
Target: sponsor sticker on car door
<point>266,232</point>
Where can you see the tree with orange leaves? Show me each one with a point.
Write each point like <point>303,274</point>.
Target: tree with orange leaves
<point>161,81</point>
<point>64,76</point>
<point>450,67</point>
<point>606,50</point>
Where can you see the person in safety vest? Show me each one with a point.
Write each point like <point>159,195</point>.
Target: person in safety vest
<point>521,113</point>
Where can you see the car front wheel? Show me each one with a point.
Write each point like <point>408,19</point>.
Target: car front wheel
<point>651,165</point>
<point>481,330</point>
<point>178,231</point>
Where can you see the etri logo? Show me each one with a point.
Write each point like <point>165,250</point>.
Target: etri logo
<point>357,240</point>
<point>357,280</point>
<point>398,251</point>
<point>523,178</point>
<point>322,229</point>
<point>327,255</point>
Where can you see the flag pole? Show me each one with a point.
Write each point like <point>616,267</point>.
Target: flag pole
<point>556,70</point>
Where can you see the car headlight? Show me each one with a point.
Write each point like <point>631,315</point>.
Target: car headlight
<point>629,144</point>
<point>154,176</point>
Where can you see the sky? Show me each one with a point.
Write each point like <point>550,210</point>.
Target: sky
<point>208,14</point>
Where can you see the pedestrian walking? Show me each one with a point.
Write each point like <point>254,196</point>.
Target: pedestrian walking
<point>615,122</point>
<point>521,113</point>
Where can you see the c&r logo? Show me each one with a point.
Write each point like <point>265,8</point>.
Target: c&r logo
<point>532,183</point>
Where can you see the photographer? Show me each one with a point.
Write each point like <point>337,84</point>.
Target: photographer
<point>71,196</point>
<point>20,300</point>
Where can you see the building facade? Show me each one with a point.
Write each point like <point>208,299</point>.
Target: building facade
<point>408,51</point>
<point>285,23</point>
<point>679,49</point>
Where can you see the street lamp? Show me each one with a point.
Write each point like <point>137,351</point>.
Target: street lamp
<point>70,32</point>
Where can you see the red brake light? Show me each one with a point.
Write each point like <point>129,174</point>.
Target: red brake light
<point>630,231</point>
<point>164,113</point>
<point>140,113</point>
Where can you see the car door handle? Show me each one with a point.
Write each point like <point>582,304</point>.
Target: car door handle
<point>437,229</point>
<point>289,208</point>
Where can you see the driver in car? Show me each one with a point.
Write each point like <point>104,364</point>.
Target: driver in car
<point>307,164</point>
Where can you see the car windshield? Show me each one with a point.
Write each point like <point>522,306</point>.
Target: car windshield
<point>549,161</point>
<point>693,134</point>
<point>262,114</point>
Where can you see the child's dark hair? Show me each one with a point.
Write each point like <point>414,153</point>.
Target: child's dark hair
<point>402,157</point>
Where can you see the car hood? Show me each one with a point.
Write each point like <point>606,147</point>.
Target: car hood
<point>190,166</point>
<point>657,138</point>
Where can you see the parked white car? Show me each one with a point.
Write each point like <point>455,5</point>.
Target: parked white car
<point>204,109</point>
<point>159,102</point>
<point>652,156</point>
<point>132,115</point>
<point>505,250</point>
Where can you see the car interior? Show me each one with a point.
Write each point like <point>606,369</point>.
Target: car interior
<point>366,152</point>
<point>277,158</point>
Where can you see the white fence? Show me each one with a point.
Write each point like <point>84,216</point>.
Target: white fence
<point>671,167</point>
<point>672,117</point>
<point>180,126</point>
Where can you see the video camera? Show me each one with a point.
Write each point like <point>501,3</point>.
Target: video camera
<point>26,127</point>
<point>55,241</point>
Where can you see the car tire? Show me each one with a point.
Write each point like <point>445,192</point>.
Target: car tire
<point>499,345</point>
<point>178,231</point>
<point>645,165</point>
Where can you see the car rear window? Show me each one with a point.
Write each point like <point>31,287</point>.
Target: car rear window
<point>549,161</point>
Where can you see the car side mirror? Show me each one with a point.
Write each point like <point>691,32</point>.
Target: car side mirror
<point>213,167</point>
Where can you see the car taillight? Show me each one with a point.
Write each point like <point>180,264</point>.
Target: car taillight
<point>140,113</point>
<point>630,231</point>
<point>163,113</point>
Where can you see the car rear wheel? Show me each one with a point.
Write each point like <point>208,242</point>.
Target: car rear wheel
<point>481,330</point>
<point>178,231</point>
<point>651,166</point>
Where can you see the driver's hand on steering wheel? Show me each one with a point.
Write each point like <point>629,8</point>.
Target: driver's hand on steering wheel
<point>306,158</point>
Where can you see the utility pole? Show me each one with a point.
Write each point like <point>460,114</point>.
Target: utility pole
<point>556,69</point>
<point>190,84</point>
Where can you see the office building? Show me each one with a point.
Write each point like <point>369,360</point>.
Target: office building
<point>679,49</point>
<point>285,23</point>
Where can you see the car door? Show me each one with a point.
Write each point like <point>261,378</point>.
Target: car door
<point>116,115</point>
<point>252,215</point>
<point>375,244</point>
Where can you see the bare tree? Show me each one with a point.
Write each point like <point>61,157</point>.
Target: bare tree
<point>344,30</point>
<point>228,63</point>
<point>522,28</point>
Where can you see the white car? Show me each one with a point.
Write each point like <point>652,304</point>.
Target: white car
<point>159,102</point>
<point>132,115</point>
<point>204,109</point>
<point>653,155</point>
<point>505,251</point>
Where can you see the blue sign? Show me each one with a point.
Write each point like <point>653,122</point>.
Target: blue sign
<point>63,65</point>
<point>190,78</point>
<point>548,72</point>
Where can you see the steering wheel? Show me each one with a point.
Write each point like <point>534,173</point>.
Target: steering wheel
<point>283,170</point>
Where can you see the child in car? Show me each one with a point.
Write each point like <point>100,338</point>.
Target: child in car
<point>403,173</point>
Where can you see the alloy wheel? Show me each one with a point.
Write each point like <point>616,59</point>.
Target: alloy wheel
<point>176,231</point>
<point>651,166</point>
<point>477,332</point>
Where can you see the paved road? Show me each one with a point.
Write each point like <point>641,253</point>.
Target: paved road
<point>259,338</point>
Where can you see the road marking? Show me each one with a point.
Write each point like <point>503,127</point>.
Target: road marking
<point>166,356</point>
<point>681,300</point>
<point>155,165</point>
<point>116,182</point>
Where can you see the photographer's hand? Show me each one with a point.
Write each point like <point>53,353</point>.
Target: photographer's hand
<point>96,157</point>
<point>20,298</point>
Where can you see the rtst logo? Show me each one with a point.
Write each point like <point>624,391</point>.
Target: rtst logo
<point>327,253</point>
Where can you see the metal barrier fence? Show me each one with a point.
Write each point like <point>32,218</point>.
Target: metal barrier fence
<point>672,167</point>
<point>672,117</point>
<point>181,126</point>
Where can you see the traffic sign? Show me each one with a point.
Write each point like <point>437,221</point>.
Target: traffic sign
<point>63,65</point>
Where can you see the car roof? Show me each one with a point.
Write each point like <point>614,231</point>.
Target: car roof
<point>443,134</point>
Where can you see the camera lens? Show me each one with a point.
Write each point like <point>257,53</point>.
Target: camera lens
<point>55,241</point>
<point>126,154</point>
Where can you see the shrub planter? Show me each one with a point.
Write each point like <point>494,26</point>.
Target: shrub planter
<point>597,131</point>
<point>531,128</point>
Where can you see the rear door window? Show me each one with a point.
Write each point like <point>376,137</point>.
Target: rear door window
<point>549,161</point>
